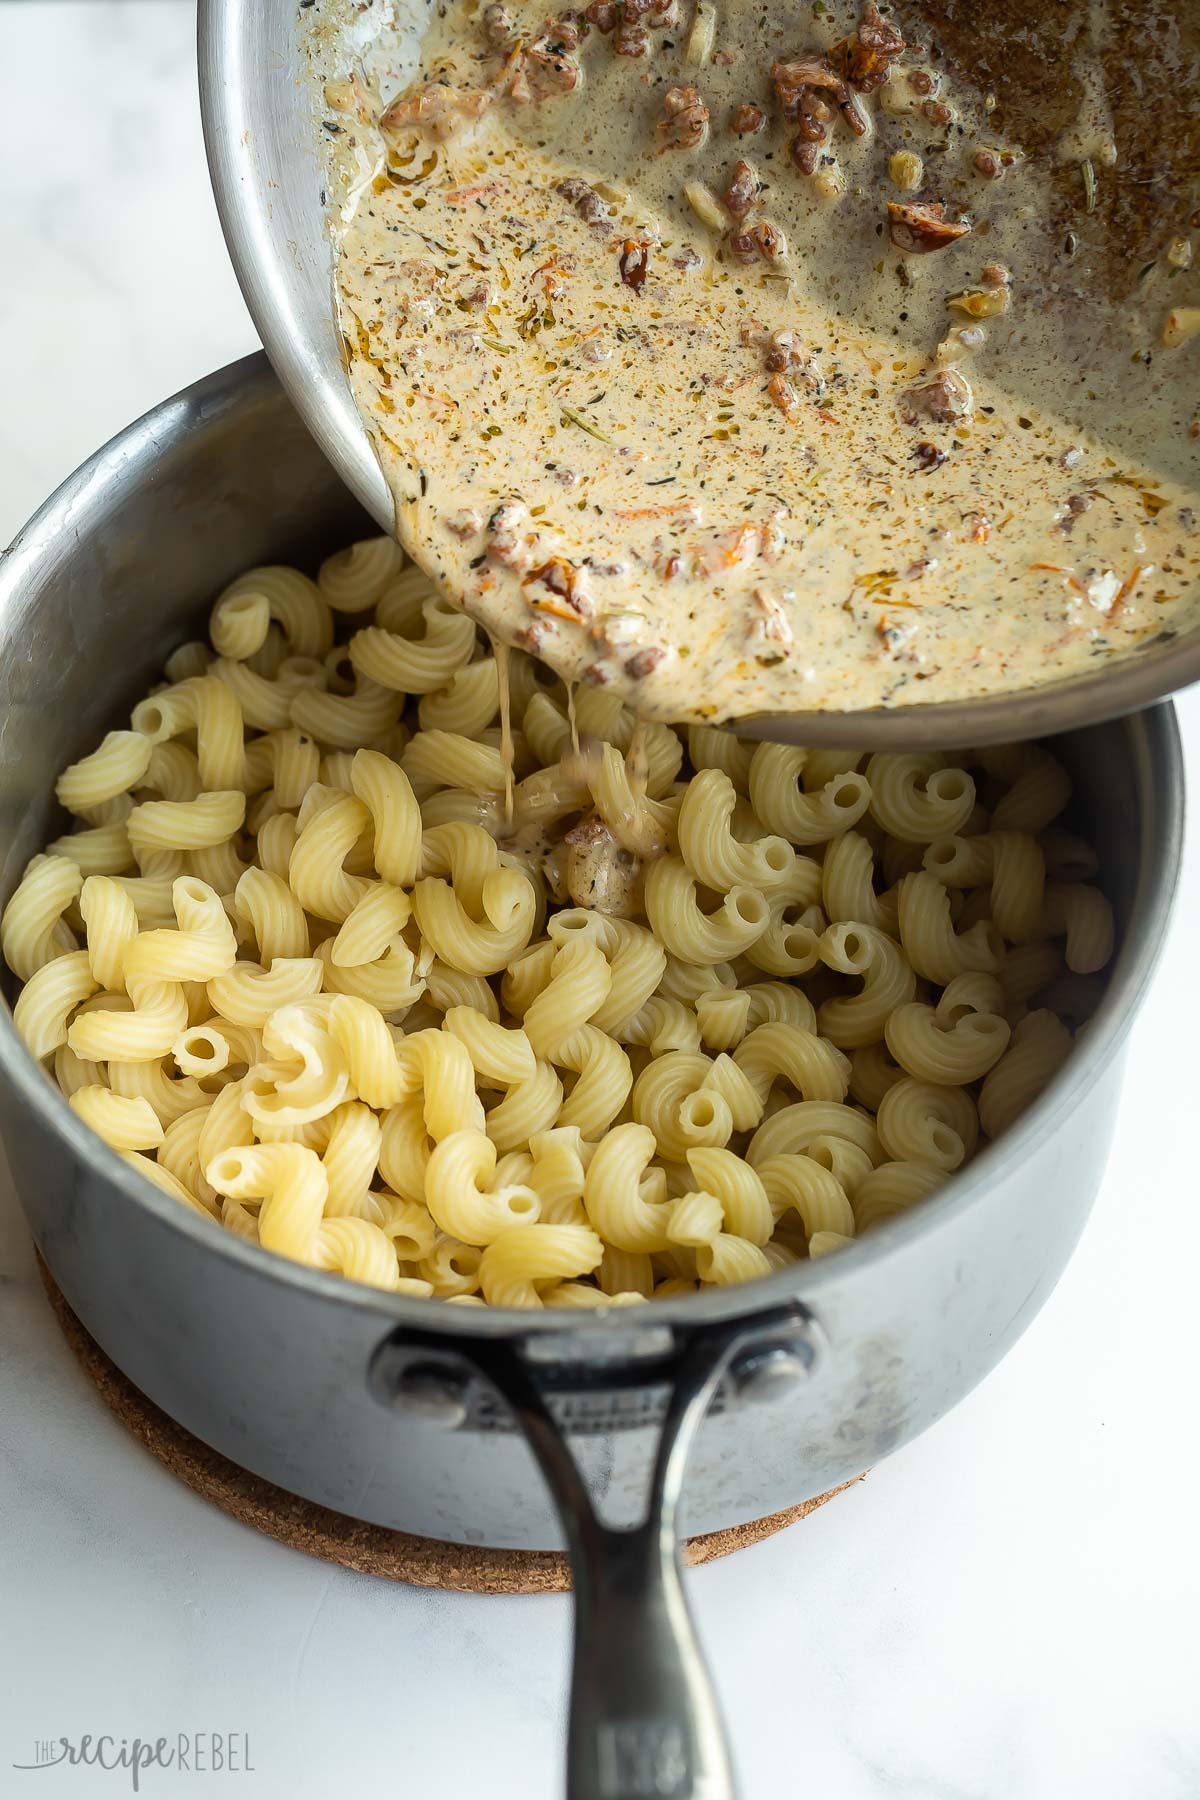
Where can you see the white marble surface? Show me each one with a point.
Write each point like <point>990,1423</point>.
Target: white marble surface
<point>1004,1611</point>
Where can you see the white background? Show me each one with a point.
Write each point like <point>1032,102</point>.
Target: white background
<point>1008,1608</point>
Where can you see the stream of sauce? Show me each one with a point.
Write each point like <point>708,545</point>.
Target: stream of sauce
<point>688,411</point>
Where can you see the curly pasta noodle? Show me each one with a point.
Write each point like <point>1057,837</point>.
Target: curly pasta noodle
<point>396,958</point>
<point>783,806</point>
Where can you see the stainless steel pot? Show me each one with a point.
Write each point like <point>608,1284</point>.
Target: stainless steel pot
<point>433,1419</point>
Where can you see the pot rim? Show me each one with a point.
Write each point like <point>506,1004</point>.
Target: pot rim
<point>121,462</point>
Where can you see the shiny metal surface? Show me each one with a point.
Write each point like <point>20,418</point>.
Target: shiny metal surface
<point>428,1392</point>
<point>767,1376</point>
<point>267,1360</point>
<point>644,1718</point>
<point>262,67</point>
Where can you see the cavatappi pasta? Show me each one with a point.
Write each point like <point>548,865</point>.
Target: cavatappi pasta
<point>404,962</point>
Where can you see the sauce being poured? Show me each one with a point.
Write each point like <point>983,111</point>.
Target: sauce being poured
<point>743,369</point>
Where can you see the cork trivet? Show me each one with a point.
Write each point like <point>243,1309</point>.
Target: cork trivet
<point>333,1536</point>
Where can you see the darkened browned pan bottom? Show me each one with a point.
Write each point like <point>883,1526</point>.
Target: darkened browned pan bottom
<point>318,1531</point>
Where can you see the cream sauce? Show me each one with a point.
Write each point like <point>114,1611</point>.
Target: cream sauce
<point>725,486</point>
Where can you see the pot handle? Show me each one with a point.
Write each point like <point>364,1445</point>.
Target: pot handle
<point>644,1718</point>
<point>644,1722</point>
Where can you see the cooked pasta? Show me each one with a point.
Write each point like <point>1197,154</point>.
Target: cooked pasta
<point>919,798</point>
<point>210,708</point>
<point>353,580</point>
<point>672,1096</point>
<point>126,1124</point>
<point>460,1194</point>
<point>394,957</point>
<point>415,664</point>
<point>686,930</point>
<point>114,768</point>
<point>889,982</point>
<point>803,818</point>
<point>32,932</point>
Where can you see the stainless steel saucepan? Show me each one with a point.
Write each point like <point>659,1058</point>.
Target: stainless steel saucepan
<point>493,1426</point>
<point>263,65</point>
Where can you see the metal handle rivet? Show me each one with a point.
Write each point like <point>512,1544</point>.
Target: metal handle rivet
<point>764,1376</point>
<point>432,1392</point>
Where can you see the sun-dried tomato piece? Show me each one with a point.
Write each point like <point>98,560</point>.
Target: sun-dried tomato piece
<point>867,55</point>
<point>684,124</point>
<point>440,110</point>
<point>630,39</point>
<point>927,455</point>
<point>499,26</point>
<point>634,264</point>
<point>747,118</point>
<point>569,29</point>
<point>762,239</point>
<point>586,201</point>
<point>742,191</point>
<point>564,598</point>
<point>784,396</point>
<point>947,397</point>
<point>769,240</point>
<point>547,66</point>
<point>794,76</point>
<point>804,155</point>
<point>919,229</point>
<point>643,662</point>
<point>799,81</point>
